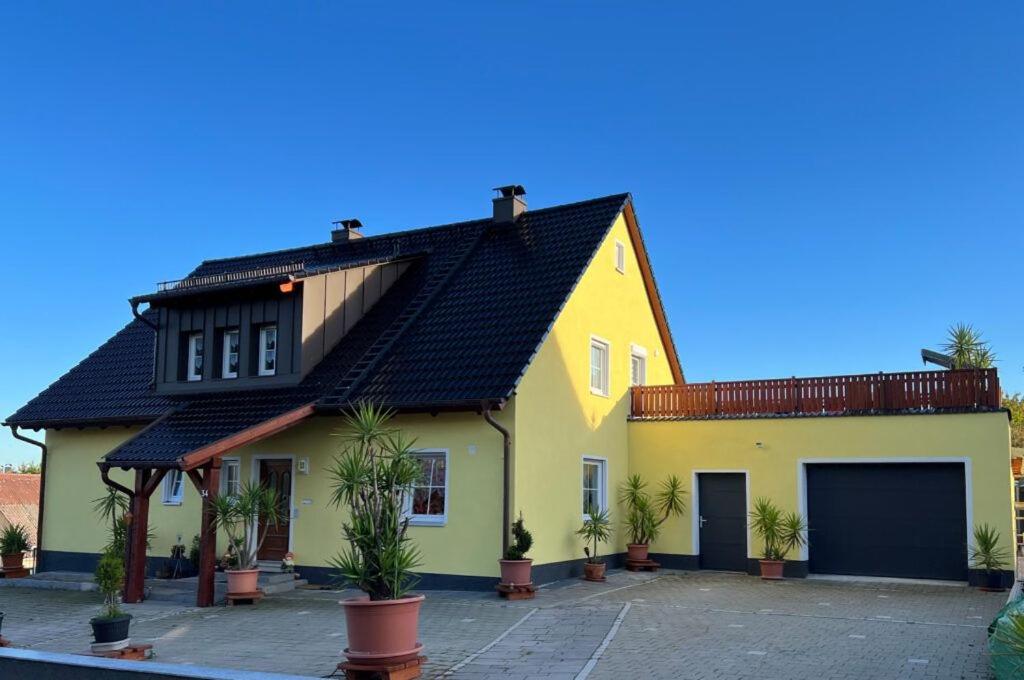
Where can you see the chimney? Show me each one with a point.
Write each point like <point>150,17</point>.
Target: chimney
<point>510,204</point>
<point>346,230</point>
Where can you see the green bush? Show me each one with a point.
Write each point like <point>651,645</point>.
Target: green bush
<point>109,579</point>
<point>522,541</point>
<point>14,540</point>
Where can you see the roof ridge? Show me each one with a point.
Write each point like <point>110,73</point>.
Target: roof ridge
<point>414,230</point>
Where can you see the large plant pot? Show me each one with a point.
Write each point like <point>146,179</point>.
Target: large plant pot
<point>771,570</point>
<point>515,572</point>
<point>991,582</point>
<point>110,634</point>
<point>242,581</point>
<point>637,551</point>
<point>593,571</point>
<point>13,560</point>
<point>382,632</point>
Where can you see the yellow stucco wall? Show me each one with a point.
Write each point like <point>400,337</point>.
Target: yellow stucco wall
<point>468,544</point>
<point>559,420</point>
<point>681,447</point>
<point>73,481</point>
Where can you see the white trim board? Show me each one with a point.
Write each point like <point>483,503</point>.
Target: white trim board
<point>695,513</point>
<point>801,483</point>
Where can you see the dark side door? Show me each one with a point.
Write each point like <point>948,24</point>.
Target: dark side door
<point>722,503</point>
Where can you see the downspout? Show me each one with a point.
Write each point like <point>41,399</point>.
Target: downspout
<point>137,315</point>
<point>42,488</point>
<point>506,477</point>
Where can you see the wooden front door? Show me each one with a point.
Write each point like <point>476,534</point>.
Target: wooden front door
<point>277,475</point>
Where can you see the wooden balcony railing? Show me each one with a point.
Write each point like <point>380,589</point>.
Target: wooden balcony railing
<point>834,395</point>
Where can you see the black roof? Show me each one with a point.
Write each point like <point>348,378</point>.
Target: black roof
<point>460,327</point>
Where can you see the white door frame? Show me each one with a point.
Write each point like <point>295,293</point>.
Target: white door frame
<point>695,519</point>
<point>801,484</point>
<point>255,479</point>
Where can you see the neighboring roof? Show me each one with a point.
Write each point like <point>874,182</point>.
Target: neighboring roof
<point>19,501</point>
<point>459,328</point>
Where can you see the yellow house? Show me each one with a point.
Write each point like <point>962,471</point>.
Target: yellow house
<point>529,355</point>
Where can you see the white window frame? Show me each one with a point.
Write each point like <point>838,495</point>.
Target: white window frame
<point>606,387</point>
<point>602,488</point>
<point>432,520</point>
<point>638,352</point>
<point>261,368</point>
<point>225,363</point>
<point>620,257</point>
<point>174,487</point>
<point>190,373</point>
<point>226,463</point>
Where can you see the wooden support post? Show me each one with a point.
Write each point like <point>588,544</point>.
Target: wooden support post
<point>137,528</point>
<point>208,484</point>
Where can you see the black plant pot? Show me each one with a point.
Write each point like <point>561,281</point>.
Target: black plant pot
<point>111,630</point>
<point>992,581</point>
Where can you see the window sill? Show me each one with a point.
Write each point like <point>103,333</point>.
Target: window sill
<point>599,393</point>
<point>171,502</point>
<point>428,521</point>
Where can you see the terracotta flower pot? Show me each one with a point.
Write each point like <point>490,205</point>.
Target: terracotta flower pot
<point>593,571</point>
<point>637,551</point>
<point>516,572</point>
<point>243,581</point>
<point>13,560</point>
<point>771,570</point>
<point>382,632</point>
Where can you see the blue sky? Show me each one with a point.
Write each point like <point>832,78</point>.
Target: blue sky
<point>823,187</point>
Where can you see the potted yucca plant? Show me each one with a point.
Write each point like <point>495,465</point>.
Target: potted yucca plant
<point>597,528</point>
<point>240,516</point>
<point>14,543</point>
<point>515,568</point>
<point>645,514</point>
<point>110,628</point>
<point>990,557</point>
<point>371,477</point>
<point>781,533</point>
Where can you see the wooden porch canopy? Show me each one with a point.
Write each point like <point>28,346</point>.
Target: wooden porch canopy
<point>203,467</point>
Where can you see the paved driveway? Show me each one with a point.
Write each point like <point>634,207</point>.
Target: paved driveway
<point>673,625</point>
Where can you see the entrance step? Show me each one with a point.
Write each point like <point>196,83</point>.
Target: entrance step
<point>269,566</point>
<point>53,580</point>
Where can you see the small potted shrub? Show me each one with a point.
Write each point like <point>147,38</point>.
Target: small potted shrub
<point>110,628</point>
<point>990,557</point>
<point>239,515</point>
<point>597,528</point>
<point>645,514</point>
<point>14,543</point>
<point>515,568</point>
<point>780,532</point>
<point>371,477</point>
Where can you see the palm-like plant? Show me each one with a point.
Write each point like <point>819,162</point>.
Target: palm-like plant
<point>781,532</point>
<point>14,540</point>
<point>239,516</point>
<point>986,553</point>
<point>966,347</point>
<point>597,528</point>
<point>645,514</point>
<point>371,476</point>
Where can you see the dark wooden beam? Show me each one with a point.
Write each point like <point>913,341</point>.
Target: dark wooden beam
<point>203,455</point>
<point>207,482</point>
<point>138,526</point>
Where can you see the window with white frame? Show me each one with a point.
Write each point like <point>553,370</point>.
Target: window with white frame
<point>599,350</point>
<point>229,362</point>
<point>620,257</point>
<point>230,477</point>
<point>595,483</point>
<point>196,353</point>
<point>637,366</point>
<point>174,487</point>
<point>427,502</point>
<point>268,350</point>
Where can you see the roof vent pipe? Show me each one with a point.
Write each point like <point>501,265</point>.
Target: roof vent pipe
<point>346,230</point>
<point>509,204</point>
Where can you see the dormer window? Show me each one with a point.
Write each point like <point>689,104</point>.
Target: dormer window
<point>194,361</point>
<point>268,351</point>
<point>229,364</point>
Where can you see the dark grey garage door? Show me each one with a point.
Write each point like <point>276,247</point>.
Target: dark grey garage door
<point>894,519</point>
